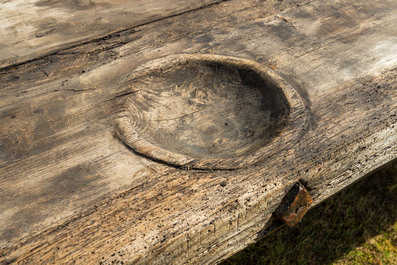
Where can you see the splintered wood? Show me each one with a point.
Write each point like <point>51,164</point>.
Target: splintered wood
<point>157,133</point>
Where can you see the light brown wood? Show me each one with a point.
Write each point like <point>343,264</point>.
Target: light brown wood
<point>72,191</point>
<point>31,29</point>
<point>209,112</point>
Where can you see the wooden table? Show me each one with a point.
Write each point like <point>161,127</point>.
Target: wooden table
<point>76,188</point>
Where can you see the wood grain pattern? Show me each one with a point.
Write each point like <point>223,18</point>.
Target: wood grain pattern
<point>71,191</point>
<point>209,112</point>
<point>35,28</point>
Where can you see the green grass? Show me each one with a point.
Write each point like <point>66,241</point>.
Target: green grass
<point>356,226</point>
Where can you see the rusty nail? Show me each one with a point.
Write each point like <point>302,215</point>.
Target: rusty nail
<point>294,205</point>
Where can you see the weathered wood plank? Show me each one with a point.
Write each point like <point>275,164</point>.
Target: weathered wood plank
<point>34,28</point>
<point>76,193</point>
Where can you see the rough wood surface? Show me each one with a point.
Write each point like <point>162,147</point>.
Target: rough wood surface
<point>72,191</point>
<point>209,112</point>
<point>31,29</point>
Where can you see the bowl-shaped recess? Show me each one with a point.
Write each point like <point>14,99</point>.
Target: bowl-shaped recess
<point>203,110</point>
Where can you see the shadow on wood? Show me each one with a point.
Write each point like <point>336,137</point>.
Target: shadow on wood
<point>337,226</point>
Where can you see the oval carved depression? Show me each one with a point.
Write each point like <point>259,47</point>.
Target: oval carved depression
<point>204,110</point>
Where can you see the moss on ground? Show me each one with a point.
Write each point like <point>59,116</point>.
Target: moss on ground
<point>356,226</point>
